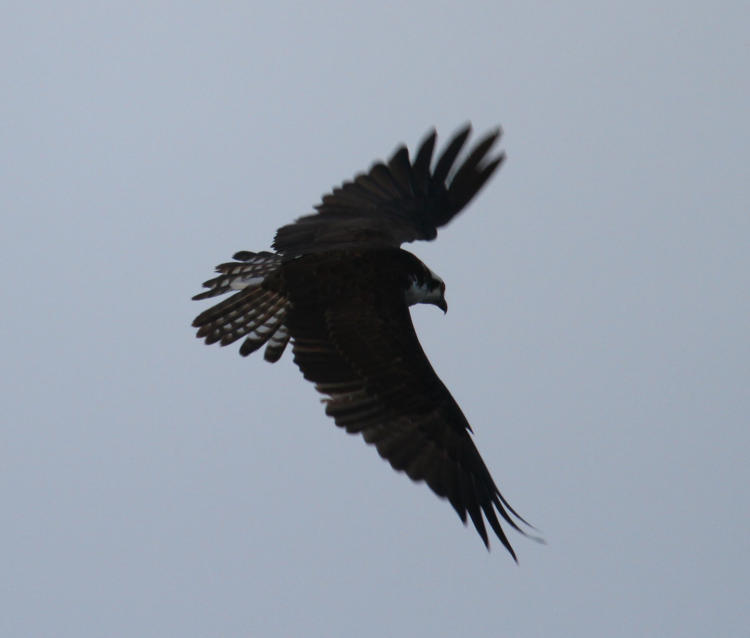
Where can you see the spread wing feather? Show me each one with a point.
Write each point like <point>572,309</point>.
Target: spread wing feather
<point>395,202</point>
<point>364,355</point>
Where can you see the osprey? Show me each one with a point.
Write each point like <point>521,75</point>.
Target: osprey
<point>339,286</point>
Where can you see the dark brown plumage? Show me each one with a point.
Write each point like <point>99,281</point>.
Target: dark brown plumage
<point>339,287</point>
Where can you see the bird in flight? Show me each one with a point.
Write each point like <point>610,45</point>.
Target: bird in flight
<point>339,286</point>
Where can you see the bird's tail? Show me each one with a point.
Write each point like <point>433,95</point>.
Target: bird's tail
<point>254,312</point>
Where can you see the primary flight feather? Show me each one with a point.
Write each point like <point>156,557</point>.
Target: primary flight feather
<point>339,286</point>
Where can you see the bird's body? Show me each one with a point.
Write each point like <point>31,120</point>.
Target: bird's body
<point>339,287</point>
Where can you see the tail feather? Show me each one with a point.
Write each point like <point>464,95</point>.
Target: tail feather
<point>250,270</point>
<point>276,344</point>
<point>253,312</point>
<point>264,328</point>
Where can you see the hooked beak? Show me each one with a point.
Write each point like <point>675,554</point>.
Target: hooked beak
<point>442,304</point>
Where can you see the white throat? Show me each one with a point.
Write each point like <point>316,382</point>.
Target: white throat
<point>426,291</point>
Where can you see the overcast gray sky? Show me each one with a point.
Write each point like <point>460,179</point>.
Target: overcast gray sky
<point>597,338</point>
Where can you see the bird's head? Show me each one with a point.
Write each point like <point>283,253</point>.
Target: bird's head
<point>427,287</point>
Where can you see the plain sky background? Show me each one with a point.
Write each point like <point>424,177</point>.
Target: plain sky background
<point>598,337</point>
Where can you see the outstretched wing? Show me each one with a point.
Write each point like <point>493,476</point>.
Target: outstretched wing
<point>396,202</point>
<point>363,353</point>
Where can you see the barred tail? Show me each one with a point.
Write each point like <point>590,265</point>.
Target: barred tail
<point>254,312</point>
<point>249,270</point>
